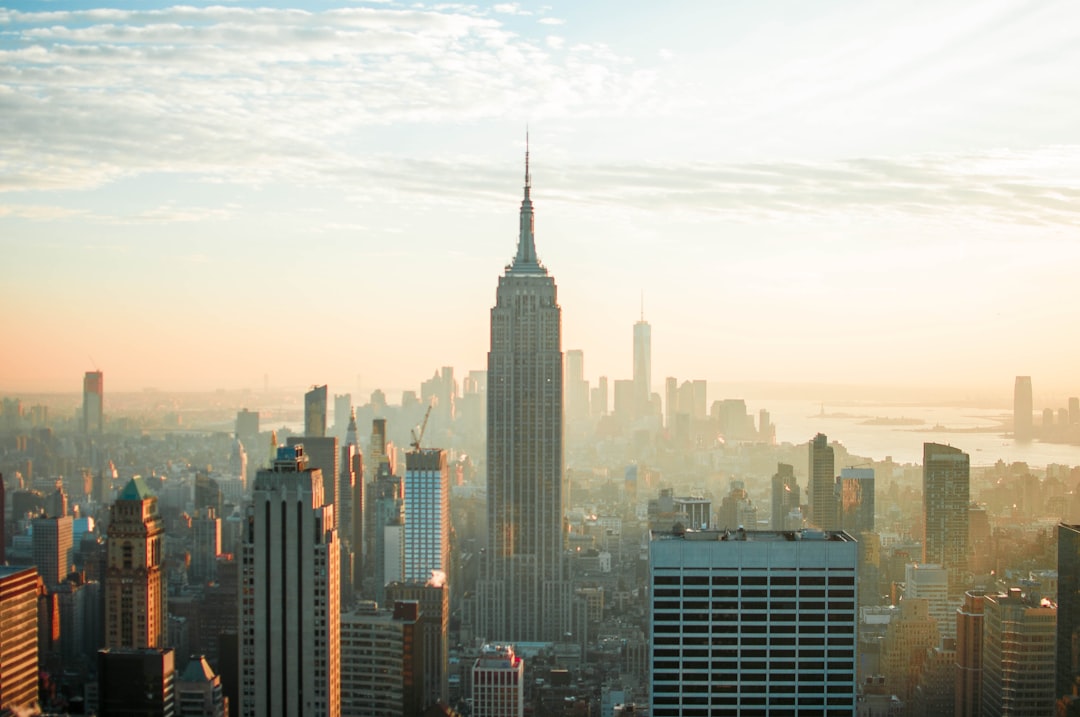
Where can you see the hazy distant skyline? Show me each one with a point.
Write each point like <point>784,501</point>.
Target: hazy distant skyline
<point>841,192</point>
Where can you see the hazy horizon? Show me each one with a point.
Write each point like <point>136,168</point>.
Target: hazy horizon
<point>843,195</point>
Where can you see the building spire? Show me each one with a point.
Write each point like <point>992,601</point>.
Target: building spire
<point>525,262</point>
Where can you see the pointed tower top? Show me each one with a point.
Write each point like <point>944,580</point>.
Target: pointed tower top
<point>526,262</point>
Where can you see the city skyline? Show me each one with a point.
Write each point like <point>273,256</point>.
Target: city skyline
<point>736,163</point>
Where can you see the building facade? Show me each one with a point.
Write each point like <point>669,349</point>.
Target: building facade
<point>946,495</point>
<point>382,667</point>
<point>18,637</point>
<point>523,595</point>
<point>1023,425</point>
<point>135,591</point>
<point>642,366</point>
<point>94,402</point>
<point>290,603</point>
<point>498,683</point>
<point>1068,601</point>
<point>1018,656</point>
<point>427,514</point>
<point>822,489</point>
<point>752,620</point>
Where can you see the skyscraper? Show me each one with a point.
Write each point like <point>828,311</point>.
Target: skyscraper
<point>433,598</point>
<point>53,548</point>
<point>135,614</point>
<point>857,500</point>
<point>427,514</point>
<point>1068,599</point>
<point>382,663</point>
<point>315,412</point>
<point>1018,655</point>
<point>93,402</point>
<point>523,595</point>
<point>822,489</point>
<point>785,495</point>
<point>642,365</point>
<point>290,606</point>
<point>1023,426</point>
<point>752,620</point>
<point>969,662</point>
<point>946,495</point>
<point>19,637</point>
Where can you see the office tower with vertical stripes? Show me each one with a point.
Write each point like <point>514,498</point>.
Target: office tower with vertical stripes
<point>290,631</point>
<point>946,495</point>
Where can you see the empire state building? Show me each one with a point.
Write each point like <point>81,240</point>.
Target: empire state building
<point>523,594</point>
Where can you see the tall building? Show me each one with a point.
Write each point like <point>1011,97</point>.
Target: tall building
<point>205,546</point>
<point>671,402</point>
<point>752,620</point>
<point>642,365</point>
<point>1023,405</point>
<point>137,682</point>
<point>342,411</point>
<point>524,595</point>
<point>247,427</point>
<point>3,525</point>
<point>382,668</point>
<point>577,388</point>
<point>53,548</point>
<point>785,495</point>
<point>498,683</point>
<point>427,514</point>
<point>135,614</point>
<point>931,583</point>
<point>946,494</point>
<point>315,412</point>
<point>93,402</point>
<point>969,661</point>
<point>433,599</point>
<point>290,608</point>
<point>1018,656</point>
<point>18,638</point>
<point>907,638</point>
<point>1068,601</point>
<point>856,500</point>
<point>822,488</point>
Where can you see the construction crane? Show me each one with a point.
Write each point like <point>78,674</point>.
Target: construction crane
<point>417,437</point>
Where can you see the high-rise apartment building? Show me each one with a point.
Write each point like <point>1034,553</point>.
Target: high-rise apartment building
<point>53,548</point>
<point>247,427</point>
<point>671,402</point>
<point>752,620</point>
<point>498,683</point>
<point>315,412</point>
<point>427,514</point>
<point>642,366</point>
<point>322,454</point>
<point>907,638</point>
<point>856,493</point>
<point>1018,656</point>
<point>577,388</point>
<point>290,648</point>
<point>205,546</point>
<point>382,665</point>
<point>1068,602</point>
<point>135,613</point>
<point>94,402</point>
<point>822,488</point>
<point>1023,405</point>
<point>523,595</point>
<point>18,638</point>
<point>946,494</point>
<point>785,495</point>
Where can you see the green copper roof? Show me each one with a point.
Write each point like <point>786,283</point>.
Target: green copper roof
<point>135,490</point>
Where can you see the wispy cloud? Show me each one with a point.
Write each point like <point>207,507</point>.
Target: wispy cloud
<point>89,96</point>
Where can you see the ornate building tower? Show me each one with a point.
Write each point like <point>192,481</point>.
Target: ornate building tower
<point>135,613</point>
<point>523,595</point>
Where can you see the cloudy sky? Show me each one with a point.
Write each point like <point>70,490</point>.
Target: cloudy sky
<point>832,192</point>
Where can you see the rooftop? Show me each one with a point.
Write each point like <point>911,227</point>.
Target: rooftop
<point>741,534</point>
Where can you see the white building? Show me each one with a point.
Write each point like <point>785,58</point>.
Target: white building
<point>932,582</point>
<point>290,602</point>
<point>752,620</point>
<point>498,679</point>
<point>427,514</point>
